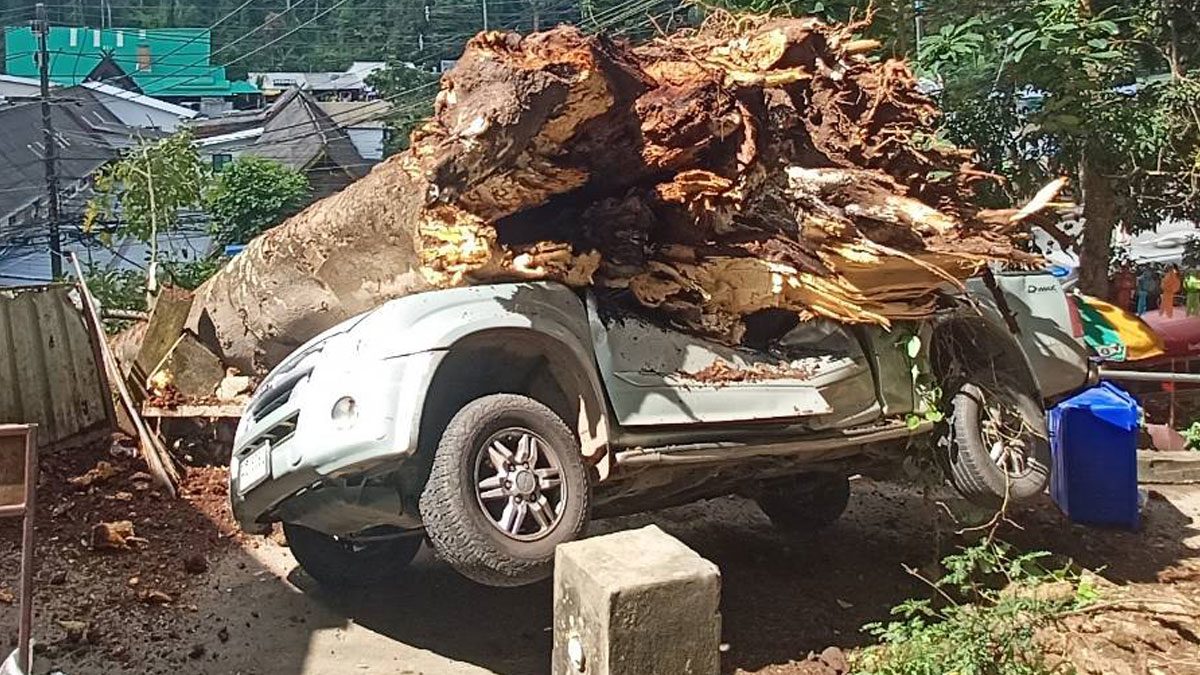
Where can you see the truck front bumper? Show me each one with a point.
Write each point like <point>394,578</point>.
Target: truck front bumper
<point>290,441</point>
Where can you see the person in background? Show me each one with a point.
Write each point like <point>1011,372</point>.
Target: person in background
<point>1124,284</point>
<point>1171,283</point>
<point>1146,284</point>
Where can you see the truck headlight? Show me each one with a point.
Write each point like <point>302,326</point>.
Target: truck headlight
<point>344,412</point>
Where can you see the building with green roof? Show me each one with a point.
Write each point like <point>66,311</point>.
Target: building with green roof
<point>172,64</point>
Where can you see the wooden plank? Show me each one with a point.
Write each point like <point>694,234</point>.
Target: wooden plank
<point>158,460</point>
<point>224,410</point>
<point>165,326</point>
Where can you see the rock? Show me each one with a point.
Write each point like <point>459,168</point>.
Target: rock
<point>233,385</point>
<point>223,634</point>
<point>1050,592</point>
<point>7,597</point>
<point>195,564</point>
<point>197,651</point>
<point>75,630</point>
<point>835,659</point>
<point>97,474</point>
<point>141,481</point>
<point>58,578</point>
<point>114,536</point>
<point>156,598</point>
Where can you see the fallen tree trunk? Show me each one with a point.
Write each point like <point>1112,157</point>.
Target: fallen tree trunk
<point>751,164</point>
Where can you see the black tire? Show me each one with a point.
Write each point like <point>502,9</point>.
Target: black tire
<point>336,563</point>
<point>463,530</point>
<point>973,472</point>
<point>805,503</point>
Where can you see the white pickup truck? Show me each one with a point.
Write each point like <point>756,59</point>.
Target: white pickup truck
<point>497,420</point>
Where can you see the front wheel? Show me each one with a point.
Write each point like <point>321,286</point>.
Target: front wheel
<point>507,486</point>
<point>338,562</point>
<point>998,444</point>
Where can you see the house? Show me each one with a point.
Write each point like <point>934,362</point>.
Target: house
<point>364,122</point>
<point>88,136</point>
<point>14,89</point>
<point>131,108</point>
<point>138,110</point>
<point>170,64</point>
<point>349,85</point>
<point>294,131</point>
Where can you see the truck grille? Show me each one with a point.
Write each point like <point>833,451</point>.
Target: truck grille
<point>277,435</point>
<point>277,392</point>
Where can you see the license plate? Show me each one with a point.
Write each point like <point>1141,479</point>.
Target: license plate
<point>254,468</point>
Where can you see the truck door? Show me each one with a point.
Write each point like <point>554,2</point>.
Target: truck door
<point>657,376</point>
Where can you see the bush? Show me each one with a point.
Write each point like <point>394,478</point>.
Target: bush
<point>983,619</point>
<point>251,195</point>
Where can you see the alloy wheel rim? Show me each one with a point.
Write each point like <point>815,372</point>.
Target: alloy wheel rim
<point>1004,435</point>
<point>518,484</point>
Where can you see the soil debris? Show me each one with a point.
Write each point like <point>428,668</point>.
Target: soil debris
<point>723,371</point>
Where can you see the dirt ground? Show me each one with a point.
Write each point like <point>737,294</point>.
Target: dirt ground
<point>237,604</point>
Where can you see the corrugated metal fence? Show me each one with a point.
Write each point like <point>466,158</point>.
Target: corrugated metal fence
<point>48,369</point>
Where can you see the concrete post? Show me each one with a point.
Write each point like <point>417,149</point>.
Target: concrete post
<point>636,602</point>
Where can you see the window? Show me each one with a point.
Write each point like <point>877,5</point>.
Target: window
<point>143,57</point>
<point>220,159</point>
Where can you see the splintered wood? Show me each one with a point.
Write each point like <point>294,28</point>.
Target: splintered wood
<point>754,163</point>
<point>750,164</point>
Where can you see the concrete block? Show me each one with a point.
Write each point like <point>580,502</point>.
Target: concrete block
<point>637,602</point>
<point>1159,467</point>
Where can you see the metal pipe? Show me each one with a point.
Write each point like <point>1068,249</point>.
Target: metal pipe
<point>1149,376</point>
<point>25,627</point>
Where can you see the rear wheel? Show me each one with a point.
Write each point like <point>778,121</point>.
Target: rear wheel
<point>341,562</point>
<point>507,486</point>
<point>805,503</point>
<point>999,447</point>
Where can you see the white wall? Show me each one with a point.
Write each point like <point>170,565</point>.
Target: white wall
<point>368,140</point>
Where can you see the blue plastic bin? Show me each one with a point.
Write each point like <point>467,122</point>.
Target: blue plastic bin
<point>1093,437</point>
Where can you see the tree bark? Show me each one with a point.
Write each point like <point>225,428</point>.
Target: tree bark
<point>1100,216</point>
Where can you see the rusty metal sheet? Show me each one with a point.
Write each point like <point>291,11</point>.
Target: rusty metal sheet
<point>48,369</point>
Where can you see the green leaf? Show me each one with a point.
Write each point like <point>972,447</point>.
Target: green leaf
<point>912,346</point>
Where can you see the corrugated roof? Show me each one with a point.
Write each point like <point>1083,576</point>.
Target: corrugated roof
<point>48,369</point>
<point>299,133</point>
<point>355,113</point>
<point>323,81</point>
<point>88,136</point>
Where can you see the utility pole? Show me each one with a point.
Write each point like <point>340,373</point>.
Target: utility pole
<point>42,28</point>
<point>919,25</point>
<point>485,26</point>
